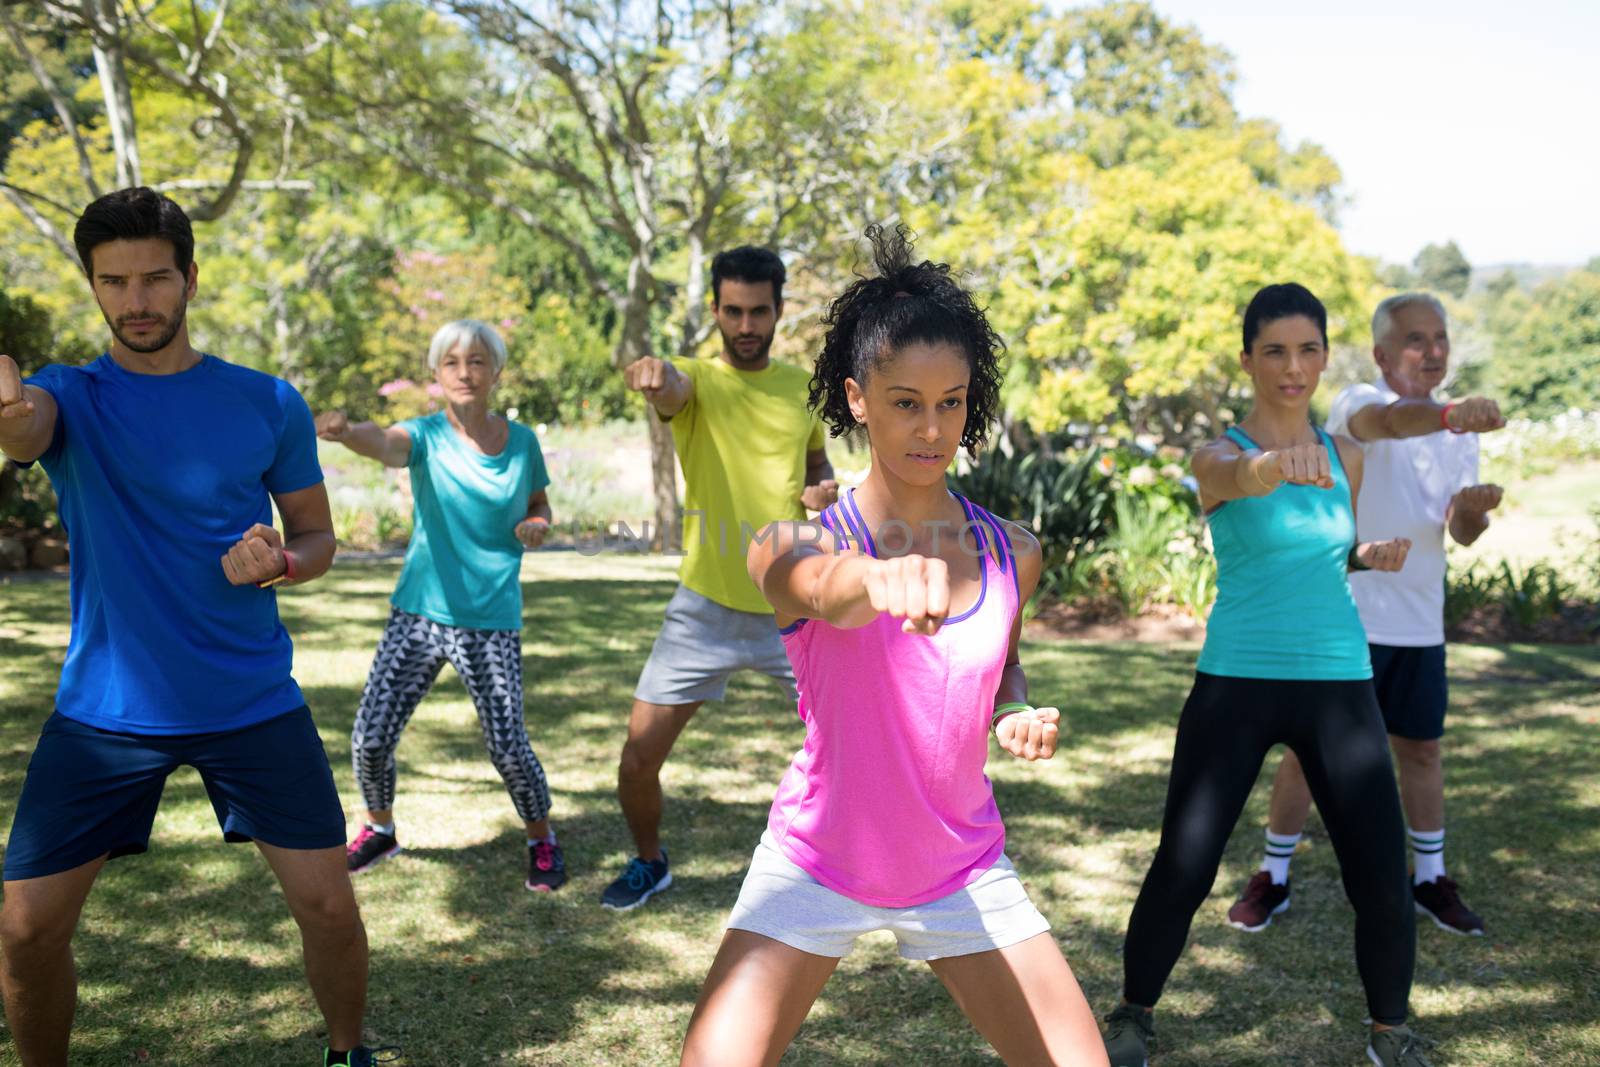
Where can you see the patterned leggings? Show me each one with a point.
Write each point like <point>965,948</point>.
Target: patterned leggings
<point>410,655</point>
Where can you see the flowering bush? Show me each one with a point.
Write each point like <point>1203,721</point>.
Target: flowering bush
<point>403,398</point>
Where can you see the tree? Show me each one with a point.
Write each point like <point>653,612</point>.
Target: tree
<point>1547,346</point>
<point>1443,269</point>
<point>614,133</point>
<point>130,43</point>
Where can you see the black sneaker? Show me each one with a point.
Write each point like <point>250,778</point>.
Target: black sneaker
<point>370,848</point>
<point>1130,1035</point>
<point>642,880</point>
<point>1440,900</point>
<point>547,870</point>
<point>361,1057</point>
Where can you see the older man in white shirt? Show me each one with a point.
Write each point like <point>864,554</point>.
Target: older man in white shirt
<point>1421,482</point>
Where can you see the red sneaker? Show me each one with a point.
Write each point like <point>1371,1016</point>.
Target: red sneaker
<point>1259,902</point>
<point>1440,901</point>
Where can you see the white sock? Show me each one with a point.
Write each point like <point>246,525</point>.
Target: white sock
<point>549,839</point>
<point>1280,850</point>
<point>382,828</point>
<point>1427,853</point>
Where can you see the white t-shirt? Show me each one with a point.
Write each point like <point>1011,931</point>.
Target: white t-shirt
<point>1406,488</point>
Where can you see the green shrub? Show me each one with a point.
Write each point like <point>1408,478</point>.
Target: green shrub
<point>1064,498</point>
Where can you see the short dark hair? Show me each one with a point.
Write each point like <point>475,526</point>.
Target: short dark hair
<point>906,304</point>
<point>747,263</point>
<point>1276,302</point>
<point>129,215</point>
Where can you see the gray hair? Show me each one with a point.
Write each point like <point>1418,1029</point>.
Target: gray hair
<point>474,333</point>
<point>1383,318</point>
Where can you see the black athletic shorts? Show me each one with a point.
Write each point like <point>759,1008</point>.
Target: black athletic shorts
<point>1412,690</point>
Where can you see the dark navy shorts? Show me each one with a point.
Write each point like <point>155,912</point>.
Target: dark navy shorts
<point>90,792</point>
<point>1412,690</point>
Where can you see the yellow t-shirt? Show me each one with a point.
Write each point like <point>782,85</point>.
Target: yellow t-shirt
<point>742,440</point>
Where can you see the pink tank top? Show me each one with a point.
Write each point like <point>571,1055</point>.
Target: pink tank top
<point>887,802</point>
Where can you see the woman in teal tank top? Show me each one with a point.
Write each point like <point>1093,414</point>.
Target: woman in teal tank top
<point>1285,662</point>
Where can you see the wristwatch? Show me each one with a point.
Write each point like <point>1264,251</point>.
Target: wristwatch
<point>286,576</point>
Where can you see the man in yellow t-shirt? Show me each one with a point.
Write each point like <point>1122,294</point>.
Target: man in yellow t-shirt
<point>752,452</point>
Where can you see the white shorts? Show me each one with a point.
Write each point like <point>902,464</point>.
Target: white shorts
<point>781,901</point>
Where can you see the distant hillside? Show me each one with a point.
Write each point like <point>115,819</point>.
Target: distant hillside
<point>1528,275</point>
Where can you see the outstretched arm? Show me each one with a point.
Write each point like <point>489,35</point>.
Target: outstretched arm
<point>1418,417</point>
<point>667,389</point>
<point>804,574</point>
<point>27,415</point>
<point>391,446</point>
<point>1227,472</point>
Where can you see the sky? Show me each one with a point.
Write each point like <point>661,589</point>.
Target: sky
<point>1473,120</point>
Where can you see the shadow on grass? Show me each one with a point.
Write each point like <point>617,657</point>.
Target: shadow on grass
<point>189,950</point>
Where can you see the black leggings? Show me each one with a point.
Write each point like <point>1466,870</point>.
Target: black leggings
<point>1228,725</point>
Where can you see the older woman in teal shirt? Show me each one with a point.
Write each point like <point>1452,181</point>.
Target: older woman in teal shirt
<point>478,485</point>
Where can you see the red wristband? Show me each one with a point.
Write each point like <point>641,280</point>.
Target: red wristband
<point>286,576</point>
<point>1444,417</point>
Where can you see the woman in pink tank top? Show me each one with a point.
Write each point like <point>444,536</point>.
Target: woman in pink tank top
<point>900,611</point>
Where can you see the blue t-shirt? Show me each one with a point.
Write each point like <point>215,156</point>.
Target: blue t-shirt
<point>157,476</point>
<point>463,561</point>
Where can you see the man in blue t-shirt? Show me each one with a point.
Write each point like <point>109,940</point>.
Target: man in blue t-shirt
<point>166,463</point>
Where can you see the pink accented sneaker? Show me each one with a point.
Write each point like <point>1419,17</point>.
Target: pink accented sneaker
<point>547,870</point>
<point>370,848</point>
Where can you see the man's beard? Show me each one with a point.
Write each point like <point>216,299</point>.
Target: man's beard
<point>732,349</point>
<point>162,339</point>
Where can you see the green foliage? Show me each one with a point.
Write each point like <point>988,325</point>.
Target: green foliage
<point>1547,347</point>
<point>1443,269</point>
<point>1064,498</point>
<point>1526,595</point>
<point>1124,59</point>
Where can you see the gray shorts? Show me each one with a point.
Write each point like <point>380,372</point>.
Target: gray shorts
<point>781,901</point>
<point>701,643</point>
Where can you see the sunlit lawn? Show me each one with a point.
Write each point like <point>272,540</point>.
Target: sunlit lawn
<point>187,956</point>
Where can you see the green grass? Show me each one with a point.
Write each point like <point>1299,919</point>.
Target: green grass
<point>187,956</point>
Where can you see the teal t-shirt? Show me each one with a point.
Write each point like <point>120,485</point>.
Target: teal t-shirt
<point>1284,608</point>
<point>461,566</point>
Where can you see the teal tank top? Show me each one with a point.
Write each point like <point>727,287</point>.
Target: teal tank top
<point>1284,608</point>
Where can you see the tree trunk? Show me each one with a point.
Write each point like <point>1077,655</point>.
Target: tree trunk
<point>633,345</point>
<point>113,70</point>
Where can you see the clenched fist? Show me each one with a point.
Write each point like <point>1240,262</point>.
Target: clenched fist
<point>1383,555</point>
<point>1030,734</point>
<point>14,402</point>
<point>333,426</point>
<point>647,375</point>
<point>531,531</point>
<point>1301,465</point>
<point>1479,498</point>
<point>820,496</point>
<point>1476,414</point>
<point>913,588</point>
<point>255,557</point>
